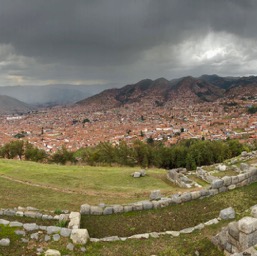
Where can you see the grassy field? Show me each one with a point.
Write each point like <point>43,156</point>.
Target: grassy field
<point>67,187</point>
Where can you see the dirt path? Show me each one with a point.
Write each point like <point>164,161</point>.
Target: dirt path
<point>68,191</point>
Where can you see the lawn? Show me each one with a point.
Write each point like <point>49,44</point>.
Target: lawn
<point>67,187</point>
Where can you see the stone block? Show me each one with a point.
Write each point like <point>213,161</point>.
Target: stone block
<point>187,230</point>
<point>222,167</point>
<point>155,195</point>
<point>176,198</point>
<point>204,192</point>
<point>137,206</point>
<point>165,201</point>
<point>9,212</point>
<point>30,226</point>
<point>65,232</point>
<point>15,224</point>
<point>244,167</point>
<point>110,239</point>
<point>53,230</point>
<point>233,241</point>
<point>51,252</point>
<point>235,180</point>
<point>227,181</point>
<point>195,195</point>
<point>185,197</point>
<point>79,236</point>
<point>140,236</point>
<point>32,214</point>
<point>213,192</point>
<point>19,213</point>
<point>233,230</point>
<point>4,222</point>
<point>147,205</point>
<point>136,175</point>
<point>173,233</point>
<point>247,240</point>
<point>85,209</point>
<point>218,183</point>
<point>231,187</point>
<point>228,213</point>
<point>223,189</point>
<point>108,210</point>
<point>5,242</point>
<point>118,209</point>
<point>156,204</point>
<point>247,225</point>
<point>241,177</point>
<point>96,210</point>
<point>128,208</point>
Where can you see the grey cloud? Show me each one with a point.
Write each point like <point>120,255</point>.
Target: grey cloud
<point>99,39</point>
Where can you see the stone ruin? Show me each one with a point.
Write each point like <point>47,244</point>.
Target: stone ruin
<point>239,238</point>
<point>178,176</point>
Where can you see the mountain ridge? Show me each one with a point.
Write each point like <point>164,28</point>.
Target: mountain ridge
<point>206,88</point>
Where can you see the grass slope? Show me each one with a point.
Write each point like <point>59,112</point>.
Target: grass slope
<point>175,217</point>
<point>67,187</point>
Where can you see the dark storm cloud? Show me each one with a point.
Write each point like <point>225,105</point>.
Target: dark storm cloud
<point>110,39</point>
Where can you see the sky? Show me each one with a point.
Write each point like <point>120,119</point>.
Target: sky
<point>119,42</point>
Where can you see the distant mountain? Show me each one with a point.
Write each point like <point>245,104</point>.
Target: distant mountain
<point>9,105</point>
<point>157,92</point>
<point>222,82</point>
<point>160,92</point>
<point>50,95</point>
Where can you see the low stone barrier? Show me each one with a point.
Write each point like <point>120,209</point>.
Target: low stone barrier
<point>34,213</point>
<point>33,232</point>
<point>217,186</point>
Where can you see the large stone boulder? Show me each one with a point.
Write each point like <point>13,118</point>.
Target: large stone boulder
<point>79,236</point>
<point>228,213</point>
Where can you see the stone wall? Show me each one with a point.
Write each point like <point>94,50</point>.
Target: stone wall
<point>178,177</point>
<point>238,236</point>
<point>217,186</point>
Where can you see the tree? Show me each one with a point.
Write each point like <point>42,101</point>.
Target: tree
<point>33,153</point>
<point>62,156</point>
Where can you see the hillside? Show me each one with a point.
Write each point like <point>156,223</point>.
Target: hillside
<point>9,105</point>
<point>186,90</point>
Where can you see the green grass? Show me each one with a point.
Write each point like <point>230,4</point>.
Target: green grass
<point>225,173</point>
<point>175,217</point>
<point>67,187</point>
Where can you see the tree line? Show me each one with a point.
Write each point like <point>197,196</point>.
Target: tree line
<point>187,153</point>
